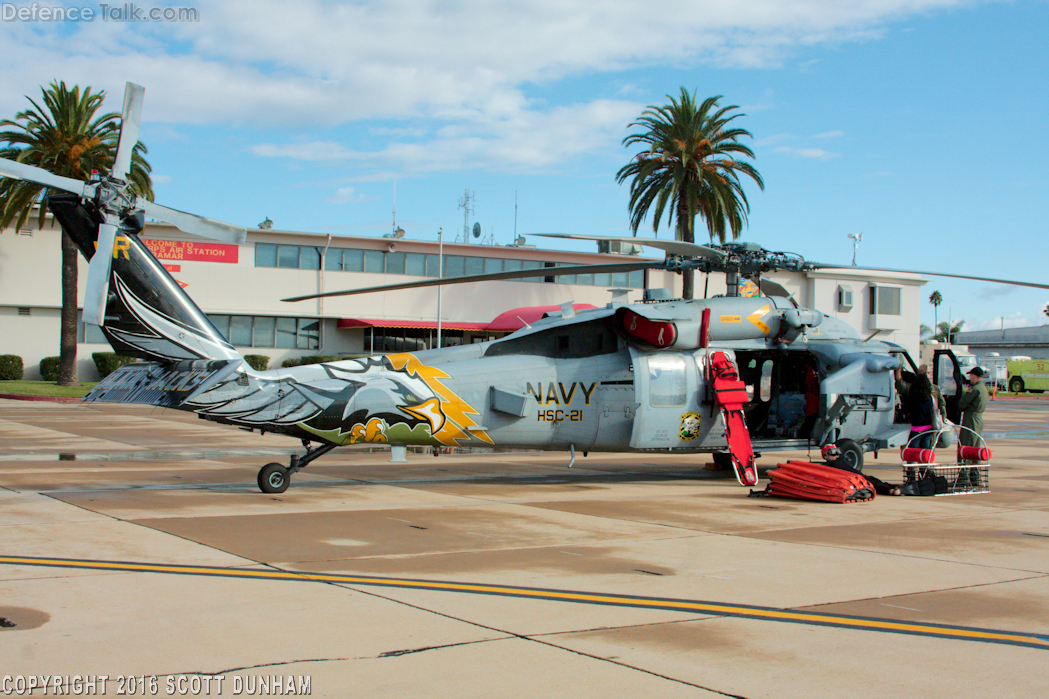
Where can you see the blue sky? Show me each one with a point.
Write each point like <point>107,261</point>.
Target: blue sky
<point>920,123</point>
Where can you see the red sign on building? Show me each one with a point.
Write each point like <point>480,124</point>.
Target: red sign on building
<point>192,252</point>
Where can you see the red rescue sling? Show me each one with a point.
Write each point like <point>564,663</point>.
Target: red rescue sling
<point>730,394</point>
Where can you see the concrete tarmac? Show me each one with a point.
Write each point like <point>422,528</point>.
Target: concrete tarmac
<point>135,543</point>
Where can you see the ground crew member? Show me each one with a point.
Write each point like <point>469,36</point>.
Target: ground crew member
<point>972,404</point>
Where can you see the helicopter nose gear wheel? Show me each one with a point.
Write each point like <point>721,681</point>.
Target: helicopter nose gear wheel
<point>274,478</point>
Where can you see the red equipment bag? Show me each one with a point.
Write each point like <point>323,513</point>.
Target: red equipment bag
<point>730,394</point>
<point>807,481</point>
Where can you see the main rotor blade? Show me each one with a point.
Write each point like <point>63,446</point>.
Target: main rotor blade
<point>29,173</point>
<point>129,123</point>
<point>97,289</point>
<point>195,225</point>
<point>674,247</point>
<point>494,276</point>
<point>993,280</point>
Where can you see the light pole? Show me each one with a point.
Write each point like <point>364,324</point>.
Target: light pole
<point>440,275</point>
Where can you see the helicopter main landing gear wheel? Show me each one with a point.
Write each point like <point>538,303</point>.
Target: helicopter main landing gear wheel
<point>274,478</point>
<point>851,454</point>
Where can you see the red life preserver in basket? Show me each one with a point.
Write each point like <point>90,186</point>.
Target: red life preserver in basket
<point>973,453</point>
<point>913,455</point>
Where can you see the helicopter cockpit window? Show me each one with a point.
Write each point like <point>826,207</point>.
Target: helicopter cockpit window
<point>666,380</point>
<point>765,390</point>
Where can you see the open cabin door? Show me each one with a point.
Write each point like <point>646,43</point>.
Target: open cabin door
<point>947,375</point>
<point>668,390</point>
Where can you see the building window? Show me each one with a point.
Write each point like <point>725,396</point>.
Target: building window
<point>265,255</point>
<point>288,256</point>
<point>844,298</point>
<point>424,265</point>
<point>885,301</point>
<point>374,261</point>
<point>395,263</point>
<point>267,331</point>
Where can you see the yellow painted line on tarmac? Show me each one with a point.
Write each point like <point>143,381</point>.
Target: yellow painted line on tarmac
<point>963,633</point>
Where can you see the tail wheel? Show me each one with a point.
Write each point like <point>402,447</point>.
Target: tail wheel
<point>851,455</point>
<point>274,478</point>
<point>1016,385</point>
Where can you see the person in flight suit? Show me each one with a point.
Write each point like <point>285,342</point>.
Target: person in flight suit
<point>972,404</point>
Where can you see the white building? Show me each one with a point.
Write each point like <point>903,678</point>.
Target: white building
<point>241,287</point>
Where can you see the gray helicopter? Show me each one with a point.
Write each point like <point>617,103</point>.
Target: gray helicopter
<point>726,375</point>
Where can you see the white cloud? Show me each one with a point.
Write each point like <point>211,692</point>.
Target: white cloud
<point>334,62</point>
<point>347,195</point>
<point>526,140</point>
<point>464,64</point>
<point>811,153</point>
<point>1015,320</point>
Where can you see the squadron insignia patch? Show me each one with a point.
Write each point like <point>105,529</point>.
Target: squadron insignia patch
<point>689,426</point>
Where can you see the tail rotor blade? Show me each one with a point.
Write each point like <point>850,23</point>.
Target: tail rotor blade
<point>195,225</point>
<point>129,124</point>
<point>20,171</point>
<point>97,290</point>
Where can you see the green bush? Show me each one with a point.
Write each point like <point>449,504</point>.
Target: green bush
<point>258,362</point>
<point>11,367</point>
<point>318,359</point>
<point>49,368</point>
<point>108,362</point>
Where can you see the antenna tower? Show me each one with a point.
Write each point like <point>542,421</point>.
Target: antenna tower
<point>466,204</point>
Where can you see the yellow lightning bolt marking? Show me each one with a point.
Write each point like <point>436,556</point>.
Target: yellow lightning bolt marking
<point>756,317</point>
<point>452,406</point>
<point>430,411</point>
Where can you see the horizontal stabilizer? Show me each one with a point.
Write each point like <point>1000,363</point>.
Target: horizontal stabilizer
<point>164,384</point>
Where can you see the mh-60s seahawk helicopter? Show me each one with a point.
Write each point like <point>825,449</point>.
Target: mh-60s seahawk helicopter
<point>721,375</point>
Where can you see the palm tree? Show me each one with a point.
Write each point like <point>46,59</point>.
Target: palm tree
<point>66,138</point>
<point>945,331</point>
<point>690,163</point>
<point>935,299</point>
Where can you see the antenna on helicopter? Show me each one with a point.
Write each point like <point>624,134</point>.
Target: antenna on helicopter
<point>856,238</point>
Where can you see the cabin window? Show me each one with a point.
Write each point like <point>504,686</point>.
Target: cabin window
<point>765,387</point>
<point>667,384</point>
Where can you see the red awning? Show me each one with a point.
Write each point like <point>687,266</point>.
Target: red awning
<point>505,322</point>
<point>394,323</point>
<point>517,318</point>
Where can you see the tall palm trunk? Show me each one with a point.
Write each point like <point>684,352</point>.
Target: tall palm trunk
<point>686,233</point>
<point>67,373</point>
